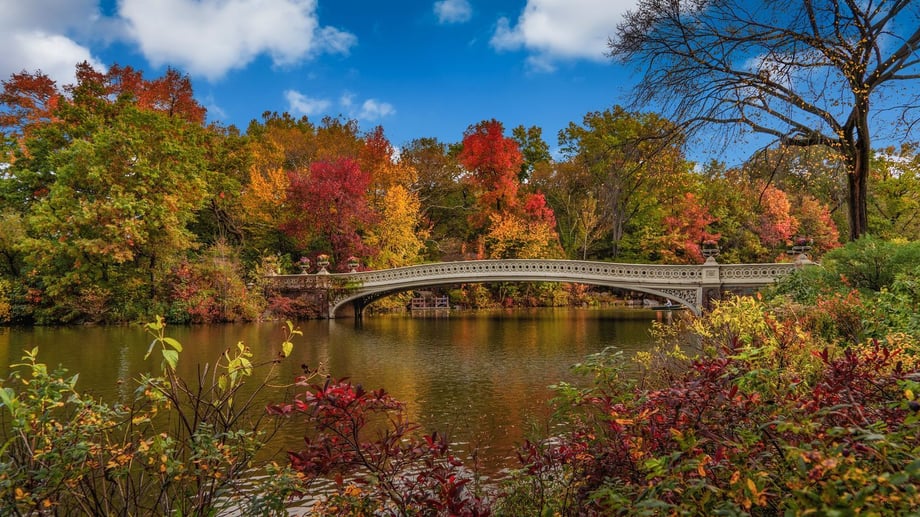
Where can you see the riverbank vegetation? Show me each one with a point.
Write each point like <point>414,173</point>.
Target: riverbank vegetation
<point>118,201</point>
<point>802,399</point>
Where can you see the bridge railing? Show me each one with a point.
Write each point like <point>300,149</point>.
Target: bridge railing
<point>524,267</point>
<point>552,270</point>
<point>754,273</point>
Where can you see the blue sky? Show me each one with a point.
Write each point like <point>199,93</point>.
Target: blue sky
<point>419,68</point>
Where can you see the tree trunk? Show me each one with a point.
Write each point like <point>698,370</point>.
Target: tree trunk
<point>856,182</point>
<point>858,175</point>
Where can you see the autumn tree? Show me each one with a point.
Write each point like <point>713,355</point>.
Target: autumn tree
<point>338,138</point>
<point>628,159</point>
<point>815,223</point>
<point>329,208</point>
<point>106,176</point>
<point>117,211</point>
<point>686,227</point>
<point>399,235</point>
<point>818,171</point>
<point>493,161</point>
<point>513,236</point>
<point>776,225</point>
<point>27,101</point>
<point>283,142</point>
<point>894,201</point>
<point>378,158</point>
<point>802,73</point>
<point>526,233</point>
<point>281,147</point>
<point>443,196</point>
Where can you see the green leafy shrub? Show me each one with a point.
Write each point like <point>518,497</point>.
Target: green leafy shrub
<point>871,263</point>
<point>180,448</point>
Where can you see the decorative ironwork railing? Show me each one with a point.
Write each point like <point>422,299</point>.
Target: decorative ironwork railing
<point>562,269</point>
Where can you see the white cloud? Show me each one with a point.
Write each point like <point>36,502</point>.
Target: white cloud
<point>453,11</point>
<point>553,30</point>
<point>374,110</point>
<point>300,103</point>
<point>53,16</point>
<point>39,35</point>
<point>370,110</point>
<point>211,37</point>
<point>56,56</point>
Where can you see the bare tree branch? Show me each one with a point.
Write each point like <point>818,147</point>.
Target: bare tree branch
<point>804,72</point>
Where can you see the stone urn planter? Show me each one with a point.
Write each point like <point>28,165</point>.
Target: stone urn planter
<point>322,261</point>
<point>304,265</point>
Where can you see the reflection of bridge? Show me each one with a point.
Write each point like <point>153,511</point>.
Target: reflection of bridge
<point>346,294</point>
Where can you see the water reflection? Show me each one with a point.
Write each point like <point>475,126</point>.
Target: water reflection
<point>480,377</point>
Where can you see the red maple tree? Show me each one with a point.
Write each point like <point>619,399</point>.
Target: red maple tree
<point>330,208</point>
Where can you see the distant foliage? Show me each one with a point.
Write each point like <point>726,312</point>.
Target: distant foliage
<point>212,289</point>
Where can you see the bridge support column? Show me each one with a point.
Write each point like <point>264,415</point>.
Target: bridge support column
<point>711,284</point>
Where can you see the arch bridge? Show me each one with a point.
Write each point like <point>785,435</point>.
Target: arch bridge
<point>692,286</point>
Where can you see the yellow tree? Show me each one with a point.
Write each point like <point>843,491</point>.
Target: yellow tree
<point>526,231</point>
<point>264,199</point>
<point>400,235</point>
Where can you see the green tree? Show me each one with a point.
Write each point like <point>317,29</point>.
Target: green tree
<point>534,149</point>
<point>116,214</point>
<point>632,161</point>
<point>894,201</point>
<point>444,199</point>
<point>801,73</point>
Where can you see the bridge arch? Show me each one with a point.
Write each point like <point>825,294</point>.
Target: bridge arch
<point>353,305</point>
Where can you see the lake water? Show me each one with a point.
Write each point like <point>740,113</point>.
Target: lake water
<point>480,377</point>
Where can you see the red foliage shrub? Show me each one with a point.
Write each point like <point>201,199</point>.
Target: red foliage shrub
<point>365,434</point>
